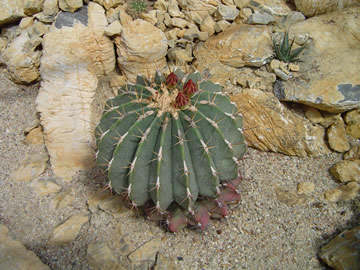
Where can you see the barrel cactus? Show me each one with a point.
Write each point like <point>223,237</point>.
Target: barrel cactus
<point>173,145</point>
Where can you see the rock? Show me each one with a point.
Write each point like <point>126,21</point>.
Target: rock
<point>38,29</point>
<point>14,256</point>
<point>50,8</point>
<point>272,7</point>
<point>108,4</point>
<point>113,29</point>
<point>179,56</point>
<point>320,117</point>
<point>288,197</point>
<point>95,199</point>
<point>70,5</point>
<point>313,7</point>
<point>22,58</point>
<point>141,49</point>
<point>43,187</point>
<point>353,153</point>
<point>73,55</point>
<point>294,17</point>
<point>248,78</point>
<point>228,13</point>
<point>328,62</point>
<point>26,22</point>
<point>124,18</point>
<point>192,33</point>
<point>237,46</point>
<point>220,26</point>
<point>33,6</point>
<point>68,231</point>
<point>178,22</point>
<point>163,264</point>
<point>352,120</point>
<point>337,137</point>
<point>3,44</point>
<point>344,193</point>
<point>270,126</point>
<point>346,171</point>
<point>161,5</point>
<point>305,187</point>
<point>31,167</point>
<point>174,11</point>
<point>260,18</point>
<point>240,4</point>
<point>203,36</point>
<point>207,25</point>
<point>146,252</point>
<point>343,252</point>
<point>114,206</point>
<point>149,17</point>
<point>197,10</point>
<point>35,136</point>
<point>11,11</point>
<point>63,199</point>
<point>100,257</point>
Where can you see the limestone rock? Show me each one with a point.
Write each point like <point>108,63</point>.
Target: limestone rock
<point>67,232</point>
<point>192,33</point>
<point>11,11</point>
<point>197,10</point>
<point>33,6</point>
<point>63,199</point>
<point>305,187</point>
<point>146,252</point>
<point>178,22</point>
<point>95,199</point>
<point>113,29</point>
<point>14,256</point>
<point>149,17</point>
<point>337,137</point>
<point>270,126</point>
<point>272,7</point>
<point>43,187</point>
<point>141,49</point>
<point>163,264</point>
<point>344,193</point>
<point>70,5</point>
<point>228,13</point>
<point>50,8</point>
<point>179,56</point>
<point>288,197</point>
<point>114,206</point>
<point>100,257</point>
<point>73,55</point>
<point>31,167</point>
<point>328,62</point>
<point>260,18</point>
<point>23,59</point>
<point>346,171</point>
<point>321,117</point>
<point>221,26</point>
<point>314,7</point>
<point>237,46</point>
<point>174,11</point>
<point>343,252</point>
<point>207,25</point>
<point>352,120</point>
<point>353,153</point>
<point>108,4</point>
<point>35,136</point>
<point>241,3</point>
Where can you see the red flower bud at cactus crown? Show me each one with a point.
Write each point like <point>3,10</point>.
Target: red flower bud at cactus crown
<point>189,88</point>
<point>181,100</point>
<point>171,80</point>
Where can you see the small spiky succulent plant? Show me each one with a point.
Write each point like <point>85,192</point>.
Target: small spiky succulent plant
<point>136,7</point>
<point>284,52</point>
<point>173,145</point>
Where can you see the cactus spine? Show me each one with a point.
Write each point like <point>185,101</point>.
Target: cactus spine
<point>171,142</point>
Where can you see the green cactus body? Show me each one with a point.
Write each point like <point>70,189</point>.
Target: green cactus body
<point>170,145</point>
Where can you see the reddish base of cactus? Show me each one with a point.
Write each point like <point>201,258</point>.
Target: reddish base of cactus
<point>176,218</point>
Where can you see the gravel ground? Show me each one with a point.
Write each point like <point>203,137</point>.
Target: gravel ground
<point>264,231</point>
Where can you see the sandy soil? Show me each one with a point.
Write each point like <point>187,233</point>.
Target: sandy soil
<point>263,231</point>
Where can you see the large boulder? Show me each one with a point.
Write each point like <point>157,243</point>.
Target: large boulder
<point>11,11</point>
<point>238,46</point>
<point>271,126</point>
<point>75,52</point>
<point>317,7</point>
<point>329,71</point>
